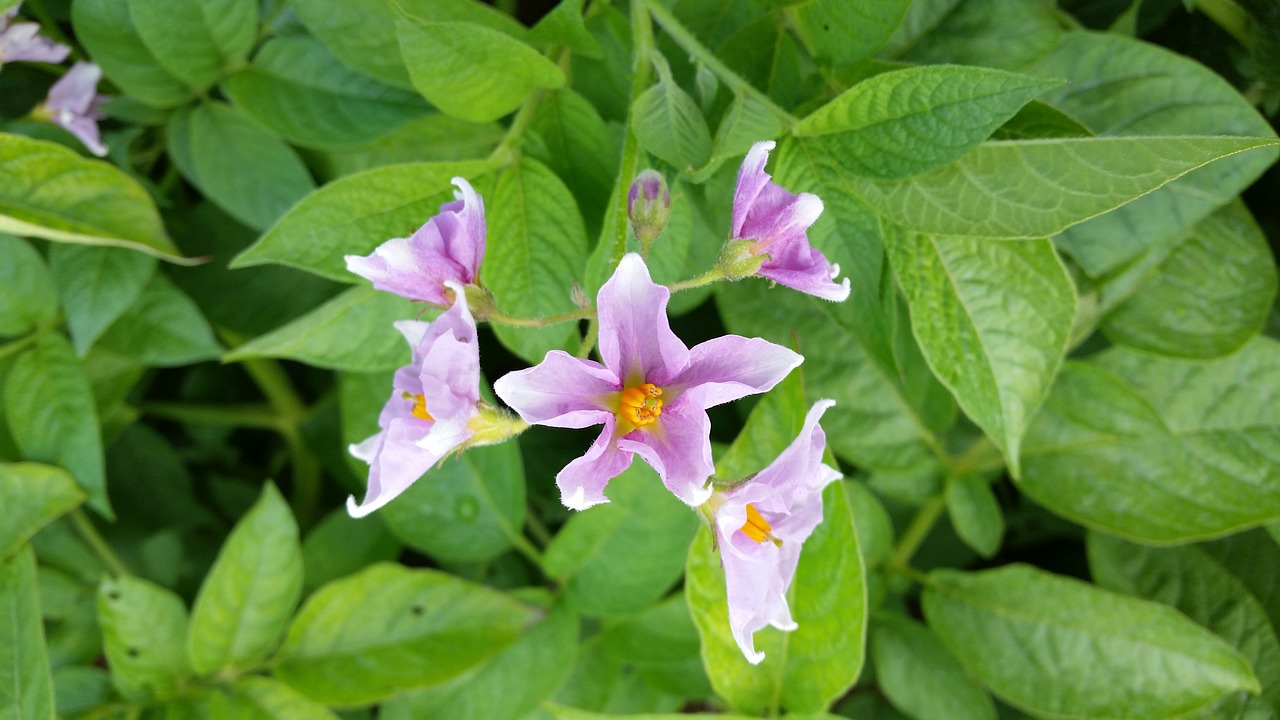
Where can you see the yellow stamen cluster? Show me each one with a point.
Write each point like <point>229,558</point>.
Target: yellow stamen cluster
<point>419,405</point>
<point>757,528</point>
<point>640,404</point>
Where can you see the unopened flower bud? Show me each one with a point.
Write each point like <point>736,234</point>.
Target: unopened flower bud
<point>579,295</point>
<point>648,206</point>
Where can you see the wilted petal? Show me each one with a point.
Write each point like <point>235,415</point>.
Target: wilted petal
<point>636,341</point>
<point>561,391</point>
<point>582,481</point>
<point>678,446</point>
<point>731,367</point>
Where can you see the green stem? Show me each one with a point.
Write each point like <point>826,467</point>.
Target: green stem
<point>916,532</point>
<point>499,318</point>
<point>18,345</point>
<point>981,456</point>
<point>504,153</point>
<point>85,528</point>
<point>1230,17</point>
<point>526,548</point>
<point>539,531</point>
<point>706,278</point>
<point>690,44</point>
<point>588,342</point>
<point>248,415</point>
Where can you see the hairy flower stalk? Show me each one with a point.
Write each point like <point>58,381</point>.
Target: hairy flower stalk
<point>651,393</point>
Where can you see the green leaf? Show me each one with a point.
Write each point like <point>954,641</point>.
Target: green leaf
<point>242,168</point>
<point>975,514</point>
<point>26,685</point>
<point>364,638</point>
<point>53,193</point>
<point>430,138</point>
<point>843,33</point>
<point>1038,121</point>
<point>78,689</point>
<point>340,545</point>
<point>470,71</point>
<point>352,332</point>
<point>772,425</point>
<point>1189,446</point>
<point>578,147</point>
<point>875,528</point>
<point>1193,581</point>
<point>355,214</point>
<point>561,712</point>
<point>669,125</point>
<point>807,668</point>
<point>537,250</point>
<point>661,645</point>
<point>1038,188</point>
<point>144,631</point>
<point>197,41</point>
<point>746,122</point>
<point>921,18</point>
<point>250,593</point>
<point>564,26</point>
<point>596,556</point>
<point>34,495</point>
<point>1006,34</point>
<point>251,698</point>
<point>1056,646</point>
<point>509,686</point>
<point>96,285</point>
<point>465,510</point>
<point>113,41</point>
<point>163,328</point>
<point>966,295</point>
<point>27,299</point>
<point>920,677</point>
<point>1253,557</point>
<point>50,411</point>
<point>908,121</point>
<point>296,88</point>
<point>356,31</point>
<point>1209,297</point>
<point>1121,86</point>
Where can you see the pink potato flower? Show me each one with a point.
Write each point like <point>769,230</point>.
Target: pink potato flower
<point>73,104</point>
<point>775,223</point>
<point>760,526</point>
<point>651,394</point>
<point>447,249</point>
<point>20,42</point>
<point>433,402</point>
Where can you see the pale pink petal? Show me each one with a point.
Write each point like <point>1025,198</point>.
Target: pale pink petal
<point>396,463</point>
<point>678,446</point>
<point>636,341</point>
<point>72,104</point>
<point>21,42</point>
<point>561,391</point>
<point>752,179</point>
<point>727,368</point>
<point>804,268</point>
<point>582,482</point>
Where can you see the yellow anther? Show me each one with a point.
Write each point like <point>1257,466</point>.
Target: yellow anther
<point>640,405</point>
<point>419,405</point>
<point>757,528</point>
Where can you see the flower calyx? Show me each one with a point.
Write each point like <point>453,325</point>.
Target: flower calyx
<point>740,259</point>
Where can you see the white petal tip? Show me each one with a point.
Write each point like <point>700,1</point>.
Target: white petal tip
<point>354,509</point>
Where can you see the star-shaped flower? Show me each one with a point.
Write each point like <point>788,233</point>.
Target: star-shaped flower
<point>651,393</point>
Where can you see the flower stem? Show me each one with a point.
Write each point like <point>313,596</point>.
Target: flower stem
<point>87,532</point>
<point>499,318</point>
<point>18,345</point>
<point>686,40</point>
<point>588,342</point>
<point>706,278</point>
<point>916,532</point>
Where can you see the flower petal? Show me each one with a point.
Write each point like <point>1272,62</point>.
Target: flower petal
<point>800,266</point>
<point>21,42</point>
<point>561,391</point>
<point>756,596</point>
<point>636,341</point>
<point>731,367</point>
<point>582,481</point>
<point>395,462</point>
<point>678,446</point>
<point>751,180</point>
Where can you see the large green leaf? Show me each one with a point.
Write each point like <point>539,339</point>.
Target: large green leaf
<point>163,328</point>
<point>364,638</point>
<point>920,677</point>
<point>577,146</point>
<point>975,514</point>
<point>251,698</point>
<point>509,686</point>
<point>1209,296</point>
<point>49,407</point>
<point>843,33</point>
<point>53,193</point>
<point>1193,581</point>
<point>465,510</point>
<point>250,592</point>
<point>806,669</point>
<point>96,285</point>
<point>33,495</point>
<point>26,685</point>
<point>112,39</point>
<point>340,545</point>
<point>669,125</point>
<point>1037,188</point>
<point>993,319</point>
<point>352,332</point>
<point>298,89</point>
<point>144,632</point>
<point>1006,34</point>
<point>242,168</point>
<point>27,295</point>
<point>1120,86</point>
<point>908,121</point>
<point>197,41</point>
<point>1060,647</point>
<point>562,712</point>
<point>599,557</point>
<point>1160,450</point>
<point>537,250</point>
<point>355,214</point>
<point>661,645</point>
<point>470,71</point>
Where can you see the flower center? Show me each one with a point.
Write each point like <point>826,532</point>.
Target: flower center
<point>757,528</point>
<point>640,404</point>
<point>419,405</point>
